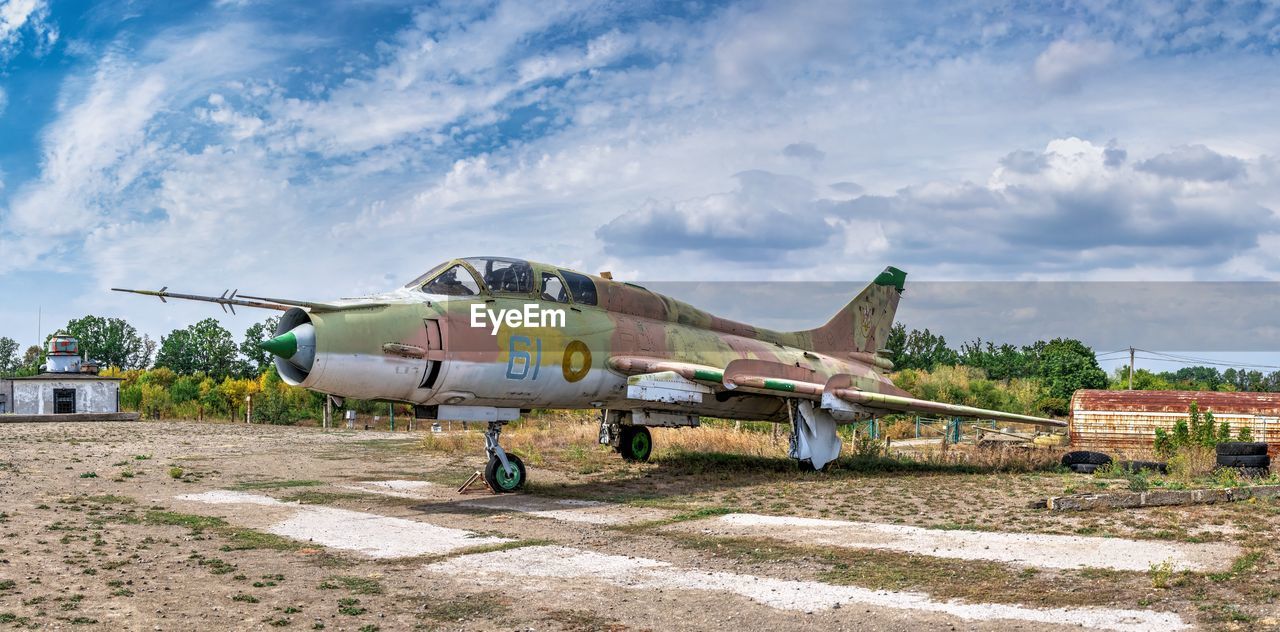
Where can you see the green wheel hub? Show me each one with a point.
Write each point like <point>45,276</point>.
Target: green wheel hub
<point>636,443</point>
<point>510,481</point>
<point>499,480</point>
<point>641,444</point>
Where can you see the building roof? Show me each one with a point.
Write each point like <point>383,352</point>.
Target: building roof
<point>65,377</point>
<point>1177,401</point>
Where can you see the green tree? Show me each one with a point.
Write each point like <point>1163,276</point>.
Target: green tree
<point>156,401</point>
<point>1005,362</point>
<point>32,359</point>
<point>896,344</point>
<point>258,359</point>
<point>925,350</point>
<point>1067,365</point>
<point>9,362</point>
<point>186,388</point>
<point>205,347</point>
<point>109,341</point>
<point>271,404</point>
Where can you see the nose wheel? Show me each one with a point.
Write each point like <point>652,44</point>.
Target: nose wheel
<point>504,472</point>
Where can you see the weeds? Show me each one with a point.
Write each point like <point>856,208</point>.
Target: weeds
<point>356,585</point>
<point>350,606</point>
<point>1160,574</point>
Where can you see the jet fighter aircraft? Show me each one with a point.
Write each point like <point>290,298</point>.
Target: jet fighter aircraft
<point>488,338</point>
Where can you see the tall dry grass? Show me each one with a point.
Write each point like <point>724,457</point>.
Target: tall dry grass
<point>569,440</point>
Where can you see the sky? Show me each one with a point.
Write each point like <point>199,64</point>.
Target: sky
<point>324,149</point>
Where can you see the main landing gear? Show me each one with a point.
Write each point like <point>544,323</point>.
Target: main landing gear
<point>504,472</point>
<point>633,442</point>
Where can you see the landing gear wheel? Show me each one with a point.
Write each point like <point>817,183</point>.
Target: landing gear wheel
<point>636,444</point>
<point>498,479</point>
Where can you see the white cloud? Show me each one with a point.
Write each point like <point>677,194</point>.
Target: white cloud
<point>17,16</point>
<point>1075,212</point>
<point>15,13</point>
<point>439,72</point>
<point>101,155</point>
<point>1064,63</point>
<point>766,215</point>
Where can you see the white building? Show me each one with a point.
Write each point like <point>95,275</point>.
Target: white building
<point>59,393</point>
<point>69,386</point>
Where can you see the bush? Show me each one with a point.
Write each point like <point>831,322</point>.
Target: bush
<point>1196,430</point>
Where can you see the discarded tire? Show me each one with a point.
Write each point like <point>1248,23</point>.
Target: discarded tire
<point>1084,468</point>
<point>1134,467</point>
<point>1254,472</point>
<point>1244,461</point>
<point>1242,448</point>
<point>1085,457</point>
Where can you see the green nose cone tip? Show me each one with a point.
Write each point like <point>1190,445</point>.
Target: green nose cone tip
<point>285,345</point>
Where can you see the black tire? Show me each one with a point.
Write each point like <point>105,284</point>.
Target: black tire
<point>496,475</point>
<point>1133,467</point>
<point>1084,468</point>
<point>1244,461</point>
<point>636,443</point>
<point>1241,448</point>
<point>1085,457</point>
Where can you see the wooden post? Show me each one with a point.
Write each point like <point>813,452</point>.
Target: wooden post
<point>328,412</point>
<point>1131,368</point>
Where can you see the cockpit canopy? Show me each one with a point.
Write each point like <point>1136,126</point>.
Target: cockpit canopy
<point>501,276</point>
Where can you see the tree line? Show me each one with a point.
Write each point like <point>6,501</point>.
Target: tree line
<point>1062,364</point>
<point>1054,369</point>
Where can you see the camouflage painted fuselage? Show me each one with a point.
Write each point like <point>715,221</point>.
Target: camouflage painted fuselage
<point>424,348</point>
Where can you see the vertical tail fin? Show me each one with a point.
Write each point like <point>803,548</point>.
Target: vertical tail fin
<point>863,325</point>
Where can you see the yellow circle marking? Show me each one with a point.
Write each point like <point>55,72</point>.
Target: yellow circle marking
<point>574,348</point>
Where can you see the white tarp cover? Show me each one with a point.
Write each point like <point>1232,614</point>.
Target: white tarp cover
<point>816,438</point>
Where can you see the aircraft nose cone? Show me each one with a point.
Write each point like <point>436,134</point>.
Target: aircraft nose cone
<point>284,345</point>
<point>296,346</point>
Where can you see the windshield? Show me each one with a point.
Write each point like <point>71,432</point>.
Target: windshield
<point>416,283</point>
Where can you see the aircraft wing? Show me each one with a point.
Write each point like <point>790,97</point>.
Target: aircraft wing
<point>900,404</point>
<point>788,381</point>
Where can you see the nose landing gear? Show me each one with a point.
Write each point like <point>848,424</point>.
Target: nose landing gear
<point>504,472</point>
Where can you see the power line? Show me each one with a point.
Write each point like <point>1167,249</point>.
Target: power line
<point>1206,363</point>
<point>1194,359</point>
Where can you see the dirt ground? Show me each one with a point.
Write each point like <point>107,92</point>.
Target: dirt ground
<point>183,525</point>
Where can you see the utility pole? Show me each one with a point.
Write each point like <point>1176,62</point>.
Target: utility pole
<point>1131,368</point>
